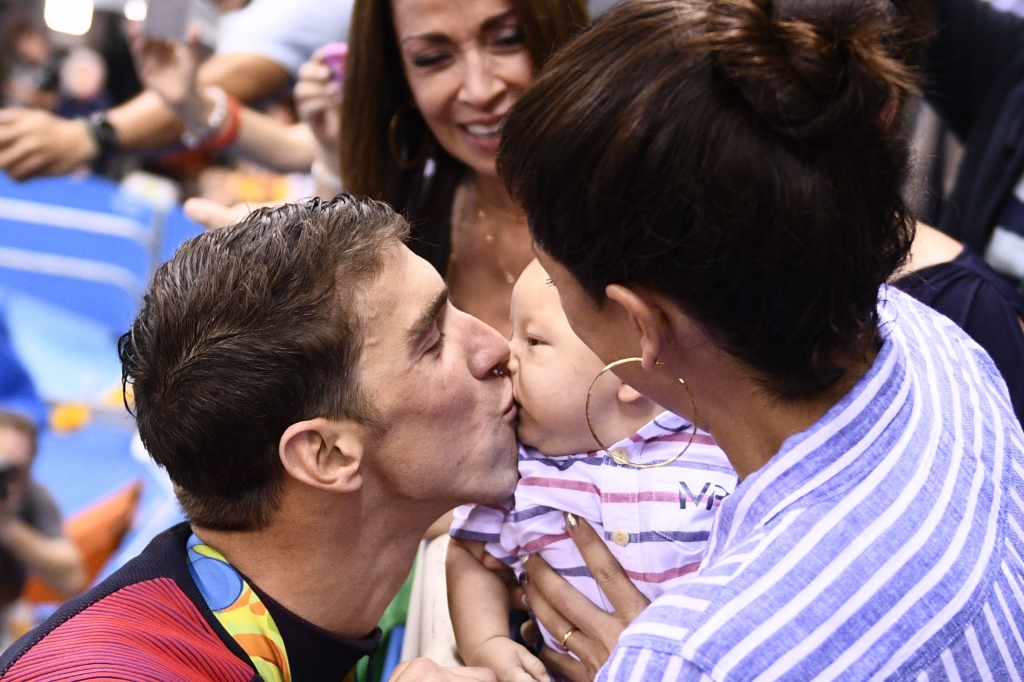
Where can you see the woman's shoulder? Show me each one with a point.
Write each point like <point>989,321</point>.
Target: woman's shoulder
<point>935,348</point>
<point>985,306</point>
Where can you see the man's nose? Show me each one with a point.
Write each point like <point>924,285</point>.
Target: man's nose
<point>480,86</point>
<point>488,350</point>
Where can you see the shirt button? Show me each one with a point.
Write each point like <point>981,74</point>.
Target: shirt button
<point>620,537</point>
<point>620,455</point>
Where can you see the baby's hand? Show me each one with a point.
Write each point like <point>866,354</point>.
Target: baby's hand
<point>510,662</point>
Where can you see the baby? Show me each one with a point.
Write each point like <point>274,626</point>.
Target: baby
<point>656,521</point>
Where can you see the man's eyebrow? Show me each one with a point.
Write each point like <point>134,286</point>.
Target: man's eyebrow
<point>426,320</point>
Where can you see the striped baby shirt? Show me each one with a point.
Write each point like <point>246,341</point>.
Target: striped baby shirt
<point>885,542</point>
<point>656,521</point>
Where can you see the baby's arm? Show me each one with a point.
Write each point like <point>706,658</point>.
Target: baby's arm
<point>479,606</point>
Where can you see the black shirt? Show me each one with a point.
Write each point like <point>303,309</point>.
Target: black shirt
<point>315,654</point>
<point>983,304</point>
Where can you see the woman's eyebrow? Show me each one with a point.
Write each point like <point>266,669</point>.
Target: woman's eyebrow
<point>489,25</point>
<point>428,37</point>
<point>497,19</point>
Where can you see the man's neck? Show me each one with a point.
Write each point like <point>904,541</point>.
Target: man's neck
<point>334,569</point>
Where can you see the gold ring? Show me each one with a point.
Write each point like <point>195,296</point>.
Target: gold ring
<point>565,638</point>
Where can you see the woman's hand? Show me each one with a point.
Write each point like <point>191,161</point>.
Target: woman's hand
<point>318,103</point>
<point>561,608</point>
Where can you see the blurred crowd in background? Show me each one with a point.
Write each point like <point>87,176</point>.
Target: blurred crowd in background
<point>50,63</point>
<point>77,76</point>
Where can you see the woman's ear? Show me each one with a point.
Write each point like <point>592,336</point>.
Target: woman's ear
<point>324,454</point>
<point>648,319</point>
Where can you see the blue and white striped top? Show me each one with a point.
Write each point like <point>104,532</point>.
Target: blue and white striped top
<point>885,542</point>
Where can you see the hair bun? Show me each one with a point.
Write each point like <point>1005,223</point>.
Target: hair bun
<point>809,67</point>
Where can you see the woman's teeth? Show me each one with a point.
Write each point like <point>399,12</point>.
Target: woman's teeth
<point>484,131</point>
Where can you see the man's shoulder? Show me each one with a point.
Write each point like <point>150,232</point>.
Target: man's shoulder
<point>146,629</point>
<point>138,624</point>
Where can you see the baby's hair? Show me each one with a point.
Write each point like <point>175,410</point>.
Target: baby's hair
<point>549,282</point>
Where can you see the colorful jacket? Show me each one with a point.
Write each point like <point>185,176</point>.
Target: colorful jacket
<point>146,621</point>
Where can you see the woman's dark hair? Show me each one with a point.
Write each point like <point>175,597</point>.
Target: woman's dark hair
<point>736,156</point>
<point>375,89</point>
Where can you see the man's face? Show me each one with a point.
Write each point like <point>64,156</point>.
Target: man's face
<point>433,375</point>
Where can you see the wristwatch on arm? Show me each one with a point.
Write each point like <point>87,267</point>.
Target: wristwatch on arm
<point>108,142</point>
<point>220,128</point>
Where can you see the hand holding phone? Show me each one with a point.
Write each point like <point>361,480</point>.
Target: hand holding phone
<point>170,21</point>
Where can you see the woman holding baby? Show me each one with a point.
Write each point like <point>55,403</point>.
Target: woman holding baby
<point>713,189</point>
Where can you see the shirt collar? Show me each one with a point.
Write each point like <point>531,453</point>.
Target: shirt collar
<point>810,460</point>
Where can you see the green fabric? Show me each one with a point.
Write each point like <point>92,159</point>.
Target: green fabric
<point>396,614</point>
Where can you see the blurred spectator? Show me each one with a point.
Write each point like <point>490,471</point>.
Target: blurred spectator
<point>942,272</point>
<point>34,143</point>
<point>975,71</point>
<point>1015,6</point>
<point>83,80</point>
<point>28,64</point>
<point>284,33</point>
<point>31,533</point>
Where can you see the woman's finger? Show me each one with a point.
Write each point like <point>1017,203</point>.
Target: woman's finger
<point>305,90</point>
<point>580,642</point>
<point>565,667</point>
<point>562,597</point>
<point>624,596</point>
<point>314,70</point>
<point>553,661</point>
<point>313,106</point>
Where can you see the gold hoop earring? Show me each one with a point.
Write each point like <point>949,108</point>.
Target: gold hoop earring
<point>396,152</point>
<point>620,459</point>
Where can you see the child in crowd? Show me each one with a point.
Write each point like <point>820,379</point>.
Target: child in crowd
<point>656,520</point>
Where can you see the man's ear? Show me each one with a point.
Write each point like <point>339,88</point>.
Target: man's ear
<point>648,319</point>
<point>324,453</point>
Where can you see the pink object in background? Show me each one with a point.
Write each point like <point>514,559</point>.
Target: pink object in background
<point>335,55</point>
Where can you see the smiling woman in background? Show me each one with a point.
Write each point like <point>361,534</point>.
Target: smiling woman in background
<point>428,85</point>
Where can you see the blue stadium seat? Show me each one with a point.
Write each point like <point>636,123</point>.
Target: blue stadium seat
<point>78,243</point>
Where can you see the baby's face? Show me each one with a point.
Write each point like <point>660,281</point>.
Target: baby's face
<point>552,370</point>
